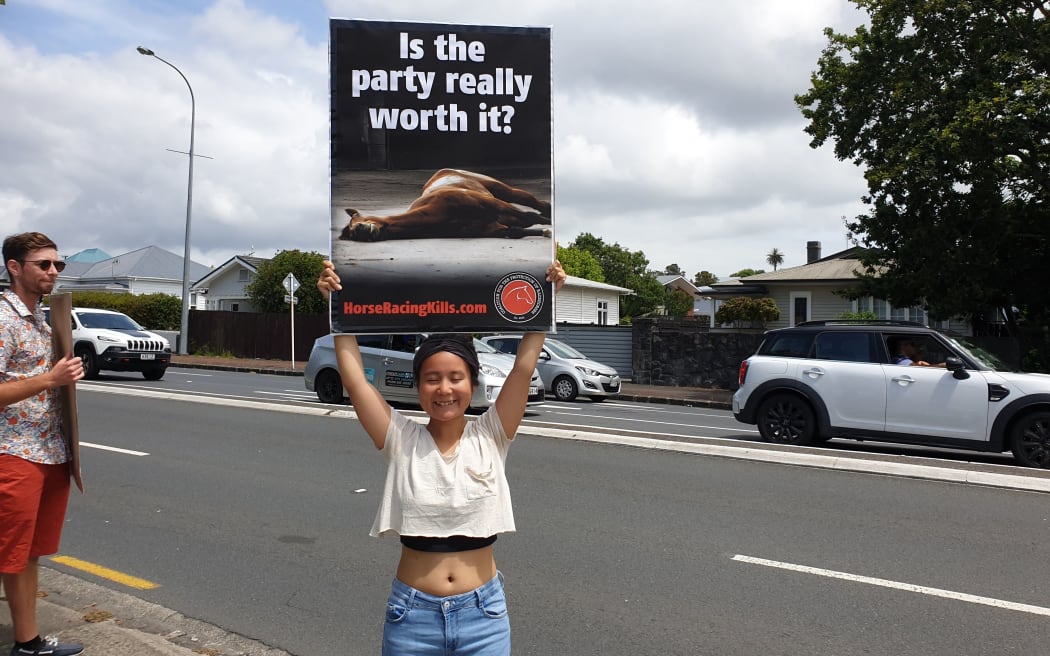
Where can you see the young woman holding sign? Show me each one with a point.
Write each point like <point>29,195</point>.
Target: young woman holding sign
<point>446,492</point>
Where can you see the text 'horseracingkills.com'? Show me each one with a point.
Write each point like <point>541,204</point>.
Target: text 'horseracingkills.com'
<point>430,308</point>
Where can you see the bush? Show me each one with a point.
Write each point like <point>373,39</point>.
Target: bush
<point>865,315</point>
<point>744,309</point>
<point>153,311</point>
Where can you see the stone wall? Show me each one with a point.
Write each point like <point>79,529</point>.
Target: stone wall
<point>688,353</point>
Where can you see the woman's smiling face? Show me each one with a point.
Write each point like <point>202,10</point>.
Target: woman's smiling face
<point>444,386</point>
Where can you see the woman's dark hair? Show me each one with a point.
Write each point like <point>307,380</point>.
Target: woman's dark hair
<point>461,345</point>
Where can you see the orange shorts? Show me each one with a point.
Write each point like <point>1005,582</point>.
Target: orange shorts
<point>33,501</point>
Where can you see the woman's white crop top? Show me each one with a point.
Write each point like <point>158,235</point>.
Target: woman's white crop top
<point>428,494</point>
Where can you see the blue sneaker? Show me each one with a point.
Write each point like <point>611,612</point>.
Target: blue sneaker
<point>49,646</point>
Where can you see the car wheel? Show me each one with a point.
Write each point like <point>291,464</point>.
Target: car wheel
<point>89,360</point>
<point>786,419</point>
<point>1031,440</point>
<point>564,388</point>
<point>155,373</point>
<point>329,386</point>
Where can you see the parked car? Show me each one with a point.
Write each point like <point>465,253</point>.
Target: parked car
<point>104,339</point>
<point>567,372</point>
<point>824,379</point>
<point>388,365</point>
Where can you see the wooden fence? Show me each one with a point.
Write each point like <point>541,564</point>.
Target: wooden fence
<point>254,334</point>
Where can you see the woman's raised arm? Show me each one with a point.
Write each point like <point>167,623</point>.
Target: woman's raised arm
<point>372,410</point>
<point>514,396</point>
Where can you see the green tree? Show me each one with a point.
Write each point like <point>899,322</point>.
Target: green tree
<point>267,291</point>
<point>703,278</point>
<point>648,295</point>
<point>673,270</point>
<point>617,263</point>
<point>580,263</point>
<point>945,106</point>
<point>775,258</point>
<point>625,268</point>
<point>677,303</point>
<point>743,273</point>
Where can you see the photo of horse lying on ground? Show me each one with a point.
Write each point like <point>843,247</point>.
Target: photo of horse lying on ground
<point>454,204</point>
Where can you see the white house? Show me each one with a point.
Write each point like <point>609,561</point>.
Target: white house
<point>589,303</point>
<point>224,288</point>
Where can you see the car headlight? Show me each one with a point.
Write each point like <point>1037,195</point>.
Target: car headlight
<point>588,372</point>
<point>104,338</point>
<point>489,370</point>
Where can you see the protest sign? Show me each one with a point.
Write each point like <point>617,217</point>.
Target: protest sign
<point>62,345</point>
<point>441,177</point>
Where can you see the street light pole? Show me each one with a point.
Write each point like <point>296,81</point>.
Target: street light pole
<point>184,330</point>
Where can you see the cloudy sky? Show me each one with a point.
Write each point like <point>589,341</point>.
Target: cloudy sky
<point>675,129</point>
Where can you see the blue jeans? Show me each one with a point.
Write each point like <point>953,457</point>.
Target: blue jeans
<point>474,623</point>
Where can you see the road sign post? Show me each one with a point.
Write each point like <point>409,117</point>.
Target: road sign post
<point>291,284</point>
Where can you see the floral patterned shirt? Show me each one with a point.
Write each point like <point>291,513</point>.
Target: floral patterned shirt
<point>31,428</point>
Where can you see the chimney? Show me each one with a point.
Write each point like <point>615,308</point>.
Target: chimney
<point>812,251</point>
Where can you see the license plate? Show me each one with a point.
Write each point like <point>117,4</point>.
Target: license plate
<point>148,356</point>
<point>534,390</point>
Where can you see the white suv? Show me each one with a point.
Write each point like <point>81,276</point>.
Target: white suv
<point>104,339</point>
<point>820,380</point>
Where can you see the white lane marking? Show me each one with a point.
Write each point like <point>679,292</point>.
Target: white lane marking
<point>710,446</point>
<point>114,449</point>
<point>620,431</point>
<point>195,397</point>
<point>637,407</point>
<point>897,585</point>
<point>296,393</point>
<point>733,429</point>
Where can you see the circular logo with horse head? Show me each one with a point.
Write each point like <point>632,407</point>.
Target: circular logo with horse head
<point>518,297</point>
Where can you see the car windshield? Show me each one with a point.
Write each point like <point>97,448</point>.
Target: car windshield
<point>107,321</point>
<point>482,347</point>
<point>563,350</point>
<point>979,354</point>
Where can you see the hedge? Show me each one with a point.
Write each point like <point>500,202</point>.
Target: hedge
<point>153,311</point>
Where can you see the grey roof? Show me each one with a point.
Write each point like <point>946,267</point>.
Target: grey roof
<point>679,282</point>
<point>149,262</point>
<point>837,267</point>
<point>247,261</point>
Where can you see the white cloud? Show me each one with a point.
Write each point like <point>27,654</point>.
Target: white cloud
<point>675,129</point>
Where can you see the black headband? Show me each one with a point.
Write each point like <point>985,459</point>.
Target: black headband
<point>461,345</point>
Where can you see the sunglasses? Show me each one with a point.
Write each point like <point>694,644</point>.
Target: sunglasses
<point>45,265</point>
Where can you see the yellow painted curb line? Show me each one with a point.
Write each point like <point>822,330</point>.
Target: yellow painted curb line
<point>106,573</point>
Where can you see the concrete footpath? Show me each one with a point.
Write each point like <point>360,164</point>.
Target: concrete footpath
<point>112,623</point>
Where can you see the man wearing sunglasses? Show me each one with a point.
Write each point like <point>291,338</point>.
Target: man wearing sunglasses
<point>34,474</point>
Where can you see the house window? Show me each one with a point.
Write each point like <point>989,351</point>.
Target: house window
<point>244,275</point>
<point>234,307</point>
<point>881,309</point>
<point>603,313</point>
<point>799,305</point>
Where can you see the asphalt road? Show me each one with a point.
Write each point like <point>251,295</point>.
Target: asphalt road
<point>257,521</point>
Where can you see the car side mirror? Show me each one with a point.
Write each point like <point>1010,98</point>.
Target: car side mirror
<point>956,366</point>
<point>544,355</point>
